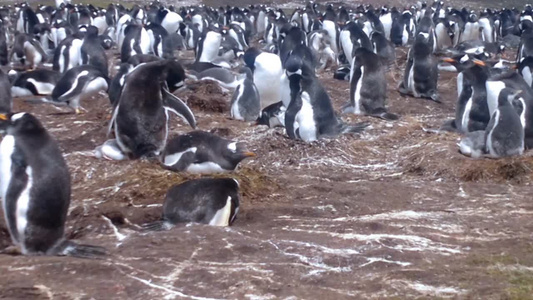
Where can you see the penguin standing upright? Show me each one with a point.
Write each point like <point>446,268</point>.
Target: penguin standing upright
<point>267,71</point>
<point>245,103</point>
<point>368,86</point>
<point>35,187</point>
<point>310,115</point>
<point>92,52</point>
<point>421,70</point>
<point>203,152</point>
<point>213,201</point>
<point>28,51</point>
<point>140,119</point>
<point>505,133</point>
<point>67,54</point>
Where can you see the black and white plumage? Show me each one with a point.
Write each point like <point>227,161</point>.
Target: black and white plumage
<point>368,86</point>
<point>140,119</point>
<point>35,187</point>
<point>6,102</point>
<point>267,71</point>
<point>28,51</point>
<point>79,83</point>
<point>203,152</point>
<point>245,103</point>
<point>272,115</point>
<point>67,54</point>
<point>92,52</point>
<point>213,201</point>
<point>35,82</point>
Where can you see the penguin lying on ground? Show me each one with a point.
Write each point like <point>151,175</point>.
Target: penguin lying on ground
<point>213,201</point>
<point>36,190</point>
<point>35,82</point>
<point>203,152</point>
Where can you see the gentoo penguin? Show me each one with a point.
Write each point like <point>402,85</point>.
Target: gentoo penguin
<point>383,48</point>
<point>421,70</point>
<point>4,53</point>
<point>224,77</point>
<point>351,38</point>
<point>79,83</point>
<point>117,83</point>
<point>203,152</point>
<point>136,41</point>
<point>35,82</point>
<point>67,54</point>
<point>245,103</point>
<point>368,86</point>
<point>160,43</point>
<point>140,119</point>
<point>6,102</point>
<point>525,68</point>
<point>272,115</point>
<point>505,133</point>
<point>35,190</point>
<point>92,52</point>
<point>267,71</point>
<point>212,201</point>
<point>473,144</point>
<point>310,115</point>
<point>208,45</point>
<point>28,51</point>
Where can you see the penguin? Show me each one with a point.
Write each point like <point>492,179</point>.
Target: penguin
<point>140,119</point>
<point>383,48</point>
<point>222,76</point>
<point>67,54</point>
<point>471,29</point>
<point>204,153</point>
<point>403,29</point>
<point>92,52</point>
<point>36,82</point>
<point>421,70</point>
<point>160,43</point>
<point>35,190</point>
<point>28,51</point>
<point>351,38</point>
<point>272,115</point>
<point>473,144</point>
<point>245,103</point>
<point>212,201</point>
<point>6,102</point>
<point>191,34</point>
<point>136,41</point>
<point>267,71</point>
<point>117,83</point>
<point>386,19</point>
<point>4,53</point>
<point>208,45</point>
<point>525,68</point>
<point>310,114</point>
<point>496,83</point>
<point>368,86</point>
<point>79,83</point>
<point>505,133</point>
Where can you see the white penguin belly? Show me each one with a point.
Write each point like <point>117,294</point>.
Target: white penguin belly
<point>466,114</point>
<point>357,96</point>
<point>23,204</point>
<point>211,45</point>
<point>306,121</point>
<point>493,91</point>
<point>526,73</point>
<point>31,51</point>
<point>7,147</point>
<point>221,217</point>
<point>96,85</point>
<point>490,148</point>
<point>205,168</point>
<point>460,78</point>
<point>75,54</point>
<point>235,113</point>
<point>17,91</point>
<point>346,44</point>
<point>411,80</point>
<point>267,77</point>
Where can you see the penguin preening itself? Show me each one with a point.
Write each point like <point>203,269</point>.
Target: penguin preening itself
<point>203,152</point>
<point>213,201</point>
<point>78,83</point>
<point>310,115</point>
<point>245,103</point>
<point>35,187</point>
<point>140,118</point>
<point>421,71</point>
<point>368,86</point>
<point>272,115</point>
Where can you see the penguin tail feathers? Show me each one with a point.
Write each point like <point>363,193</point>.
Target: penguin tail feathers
<point>160,225</point>
<point>70,248</point>
<point>355,128</point>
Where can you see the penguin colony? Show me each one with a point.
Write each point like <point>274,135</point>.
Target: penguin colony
<point>269,60</point>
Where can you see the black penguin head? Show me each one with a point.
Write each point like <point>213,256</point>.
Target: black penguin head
<point>508,96</point>
<point>294,65</point>
<point>20,123</point>
<point>236,152</point>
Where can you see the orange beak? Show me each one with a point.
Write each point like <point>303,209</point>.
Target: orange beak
<point>515,67</point>
<point>448,60</point>
<point>3,117</point>
<point>479,62</point>
<point>249,154</point>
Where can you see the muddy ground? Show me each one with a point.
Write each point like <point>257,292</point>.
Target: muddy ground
<point>394,212</point>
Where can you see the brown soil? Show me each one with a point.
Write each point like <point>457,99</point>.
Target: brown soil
<point>393,212</point>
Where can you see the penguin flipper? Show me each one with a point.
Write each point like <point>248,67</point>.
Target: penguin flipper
<point>177,106</point>
<point>82,82</point>
<point>185,160</point>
